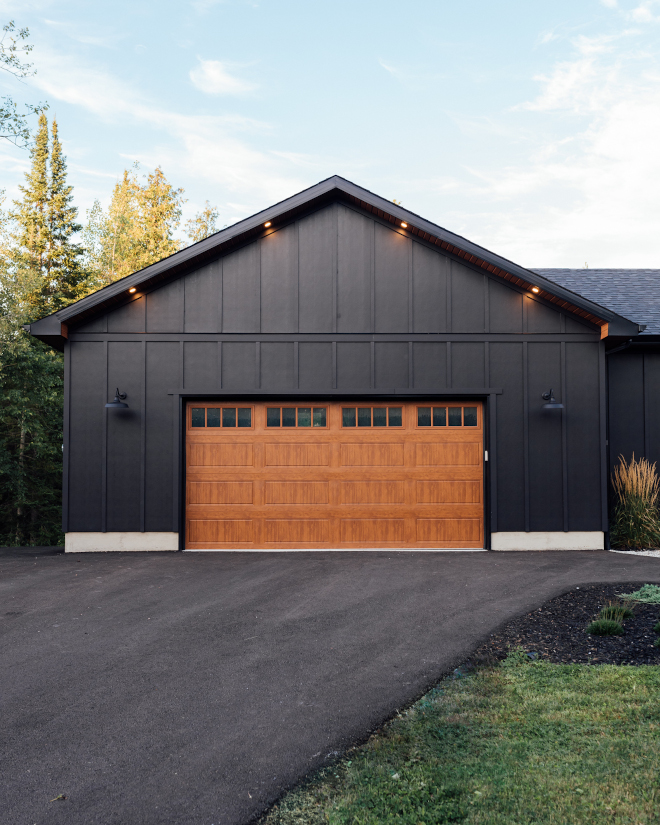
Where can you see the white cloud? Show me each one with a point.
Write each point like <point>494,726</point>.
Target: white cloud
<point>213,78</point>
<point>590,193</point>
<point>611,4</point>
<point>214,148</point>
<point>77,32</point>
<point>644,12</point>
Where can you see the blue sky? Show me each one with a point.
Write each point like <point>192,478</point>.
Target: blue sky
<point>531,128</point>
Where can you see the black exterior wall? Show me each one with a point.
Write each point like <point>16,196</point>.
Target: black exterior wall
<point>338,302</point>
<point>634,400</point>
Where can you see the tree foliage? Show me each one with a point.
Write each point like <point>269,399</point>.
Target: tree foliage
<point>14,48</point>
<point>137,230</point>
<point>46,252</point>
<point>47,261</point>
<point>40,272</point>
<point>203,224</point>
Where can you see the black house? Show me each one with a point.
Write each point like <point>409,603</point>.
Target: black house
<point>337,372</point>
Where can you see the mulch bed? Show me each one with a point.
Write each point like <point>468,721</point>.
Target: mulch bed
<point>556,631</point>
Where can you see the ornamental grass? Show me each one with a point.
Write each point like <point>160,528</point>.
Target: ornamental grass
<point>636,521</point>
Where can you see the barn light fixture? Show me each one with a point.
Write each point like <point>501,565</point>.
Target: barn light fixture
<point>551,401</point>
<point>267,224</point>
<point>404,224</point>
<point>117,403</point>
<point>535,289</point>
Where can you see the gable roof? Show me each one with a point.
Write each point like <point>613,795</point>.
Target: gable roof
<point>54,328</point>
<point>633,293</point>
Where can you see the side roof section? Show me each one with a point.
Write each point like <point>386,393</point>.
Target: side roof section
<point>53,329</point>
<point>633,293</point>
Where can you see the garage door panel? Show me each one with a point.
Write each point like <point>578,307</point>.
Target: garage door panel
<point>373,492</point>
<point>297,455</point>
<point>220,492</point>
<point>449,492</point>
<point>365,530</point>
<point>221,531</point>
<point>317,483</point>
<point>297,492</point>
<point>315,531</point>
<point>372,455</point>
<point>220,455</point>
<point>454,454</point>
<point>446,529</point>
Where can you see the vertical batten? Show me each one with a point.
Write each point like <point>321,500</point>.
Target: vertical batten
<point>104,449</point>
<point>220,375</point>
<point>178,500</point>
<point>526,432</point>
<point>449,327</point>
<point>602,387</point>
<point>411,297</point>
<point>143,440</point>
<point>449,374</point>
<point>372,357</point>
<point>486,364</point>
<point>334,365</point>
<point>296,368</point>
<point>65,437</point>
<point>486,305</point>
<point>564,437</point>
<point>491,473</point>
<point>335,281</point>
<point>647,409</point>
<point>372,284</point>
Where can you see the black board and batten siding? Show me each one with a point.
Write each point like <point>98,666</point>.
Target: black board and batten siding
<point>634,402</point>
<point>336,302</point>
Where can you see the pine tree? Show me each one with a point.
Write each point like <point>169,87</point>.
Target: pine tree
<point>31,219</point>
<point>64,263</point>
<point>45,217</point>
<point>40,272</point>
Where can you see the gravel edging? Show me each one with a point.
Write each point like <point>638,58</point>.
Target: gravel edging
<point>556,631</point>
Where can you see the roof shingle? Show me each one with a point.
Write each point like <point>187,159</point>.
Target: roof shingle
<point>633,293</point>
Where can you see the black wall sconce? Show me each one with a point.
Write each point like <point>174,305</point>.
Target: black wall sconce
<point>117,403</point>
<point>551,401</point>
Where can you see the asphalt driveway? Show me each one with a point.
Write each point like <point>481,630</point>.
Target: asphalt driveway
<point>194,688</point>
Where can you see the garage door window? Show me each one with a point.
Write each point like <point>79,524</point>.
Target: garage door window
<point>221,417</point>
<point>296,417</point>
<point>371,416</point>
<point>447,416</point>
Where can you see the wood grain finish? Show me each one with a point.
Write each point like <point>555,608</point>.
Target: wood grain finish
<point>334,487</point>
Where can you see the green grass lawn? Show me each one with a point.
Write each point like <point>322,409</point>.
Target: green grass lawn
<point>524,742</point>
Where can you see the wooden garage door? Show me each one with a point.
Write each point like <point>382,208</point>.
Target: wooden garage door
<point>334,475</point>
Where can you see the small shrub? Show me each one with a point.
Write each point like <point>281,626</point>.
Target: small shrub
<point>636,521</point>
<point>617,611</point>
<point>647,593</point>
<point>656,643</point>
<point>656,629</point>
<point>516,657</point>
<point>605,627</point>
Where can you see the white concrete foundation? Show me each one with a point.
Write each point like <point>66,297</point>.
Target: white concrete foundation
<point>575,540</point>
<point>108,542</point>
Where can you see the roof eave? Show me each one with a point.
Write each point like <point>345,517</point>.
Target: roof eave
<point>253,227</point>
